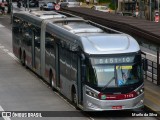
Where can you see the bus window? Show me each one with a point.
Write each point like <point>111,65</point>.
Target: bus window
<point>62,60</point>
<point>91,78</point>
<point>68,64</point>
<point>129,74</point>
<point>105,75</point>
<point>27,34</point>
<point>17,29</point>
<point>74,67</point>
<point>37,37</point>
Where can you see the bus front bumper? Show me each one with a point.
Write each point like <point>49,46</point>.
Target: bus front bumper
<point>93,104</point>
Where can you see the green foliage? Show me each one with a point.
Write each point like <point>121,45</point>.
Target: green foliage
<point>105,1</point>
<point>112,6</point>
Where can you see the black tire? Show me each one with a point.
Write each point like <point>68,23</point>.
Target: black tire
<point>24,60</point>
<point>51,80</point>
<point>74,99</point>
<point>20,57</point>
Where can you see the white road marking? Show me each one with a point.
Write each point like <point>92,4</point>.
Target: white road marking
<point>91,118</point>
<point>13,56</point>
<point>1,46</point>
<point>5,50</point>
<point>1,25</point>
<point>9,53</point>
<point>5,117</point>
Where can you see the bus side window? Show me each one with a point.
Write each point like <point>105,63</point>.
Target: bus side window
<point>62,60</point>
<point>37,37</point>
<point>17,29</point>
<point>74,63</point>
<point>27,34</point>
<point>68,64</point>
<point>91,78</point>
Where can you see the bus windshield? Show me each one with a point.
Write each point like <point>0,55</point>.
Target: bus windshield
<point>115,75</point>
<point>129,74</point>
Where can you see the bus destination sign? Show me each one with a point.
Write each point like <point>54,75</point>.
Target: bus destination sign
<point>112,60</point>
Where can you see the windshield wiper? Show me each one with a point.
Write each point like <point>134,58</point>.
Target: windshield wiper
<point>108,83</point>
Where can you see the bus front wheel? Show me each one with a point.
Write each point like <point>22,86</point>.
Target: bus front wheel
<point>74,98</point>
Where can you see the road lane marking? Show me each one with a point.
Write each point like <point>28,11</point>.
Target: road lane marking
<point>13,56</point>
<point>5,50</point>
<point>1,46</point>
<point>1,25</point>
<point>5,117</point>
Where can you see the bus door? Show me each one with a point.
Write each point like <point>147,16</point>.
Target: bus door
<point>57,65</point>
<point>36,50</point>
<point>80,82</point>
<point>33,51</point>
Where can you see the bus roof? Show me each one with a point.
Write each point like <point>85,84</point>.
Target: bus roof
<point>36,17</point>
<point>91,38</point>
<point>77,32</point>
<point>109,44</point>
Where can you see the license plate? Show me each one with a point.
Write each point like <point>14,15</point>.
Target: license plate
<point>116,107</point>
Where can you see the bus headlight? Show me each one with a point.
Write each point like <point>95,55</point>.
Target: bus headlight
<point>100,96</point>
<point>91,93</point>
<point>140,91</point>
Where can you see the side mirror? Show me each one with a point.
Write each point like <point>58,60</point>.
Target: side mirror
<point>145,64</point>
<point>83,72</point>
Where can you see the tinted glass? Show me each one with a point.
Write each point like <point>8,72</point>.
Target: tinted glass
<point>129,74</point>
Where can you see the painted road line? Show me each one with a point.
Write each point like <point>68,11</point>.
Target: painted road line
<point>5,50</point>
<point>13,56</point>
<point>1,46</point>
<point>1,25</point>
<point>4,117</point>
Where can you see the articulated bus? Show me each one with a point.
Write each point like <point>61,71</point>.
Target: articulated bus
<point>95,67</point>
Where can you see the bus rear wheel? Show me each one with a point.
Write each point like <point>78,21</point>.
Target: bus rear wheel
<point>20,56</point>
<point>24,60</point>
<point>51,80</point>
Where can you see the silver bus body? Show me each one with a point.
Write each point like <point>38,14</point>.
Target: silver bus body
<point>55,48</point>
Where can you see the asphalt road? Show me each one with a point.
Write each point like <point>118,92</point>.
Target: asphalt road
<point>21,90</point>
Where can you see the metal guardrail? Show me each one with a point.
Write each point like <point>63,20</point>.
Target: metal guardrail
<point>151,73</point>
